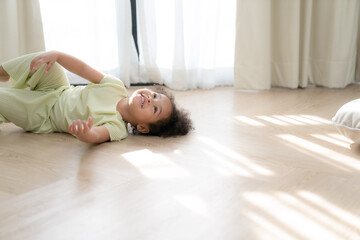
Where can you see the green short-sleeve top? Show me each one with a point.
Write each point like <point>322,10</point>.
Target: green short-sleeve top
<point>98,101</point>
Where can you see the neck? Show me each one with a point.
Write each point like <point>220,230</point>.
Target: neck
<point>123,108</point>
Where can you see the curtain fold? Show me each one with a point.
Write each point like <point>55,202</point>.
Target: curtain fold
<point>21,29</point>
<point>148,69</point>
<point>296,43</point>
<point>186,44</point>
<point>127,59</point>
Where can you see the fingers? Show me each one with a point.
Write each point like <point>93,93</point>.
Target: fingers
<point>48,66</point>
<point>48,58</point>
<point>78,127</point>
<point>72,128</point>
<point>75,128</point>
<point>90,122</point>
<point>34,64</point>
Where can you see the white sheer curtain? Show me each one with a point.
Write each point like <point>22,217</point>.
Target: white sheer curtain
<point>296,43</point>
<point>187,44</point>
<point>183,44</point>
<point>21,31</point>
<point>96,31</point>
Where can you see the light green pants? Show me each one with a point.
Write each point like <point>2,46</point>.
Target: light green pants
<point>29,102</point>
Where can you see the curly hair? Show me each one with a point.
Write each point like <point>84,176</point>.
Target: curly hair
<point>178,124</point>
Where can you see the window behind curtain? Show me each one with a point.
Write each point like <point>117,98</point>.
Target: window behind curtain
<point>83,28</point>
<point>184,44</point>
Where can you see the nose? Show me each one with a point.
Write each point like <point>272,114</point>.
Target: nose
<point>149,98</point>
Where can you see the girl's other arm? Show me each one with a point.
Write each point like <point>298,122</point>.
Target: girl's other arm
<point>69,62</point>
<point>85,132</point>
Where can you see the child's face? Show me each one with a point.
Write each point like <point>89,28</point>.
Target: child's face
<point>148,107</point>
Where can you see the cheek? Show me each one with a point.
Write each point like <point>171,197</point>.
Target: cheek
<point>142,114</point>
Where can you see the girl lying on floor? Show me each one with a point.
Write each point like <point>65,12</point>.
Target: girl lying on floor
<point>94,113</point>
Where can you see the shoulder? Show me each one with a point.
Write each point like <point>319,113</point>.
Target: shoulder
<point>117,130</point>
<point>111,79</point>
<point>113,83</point>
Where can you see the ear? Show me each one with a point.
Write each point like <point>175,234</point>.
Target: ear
<point>143,128</point>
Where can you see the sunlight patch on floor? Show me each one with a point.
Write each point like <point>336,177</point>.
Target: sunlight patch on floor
<point>288,120</point>
<point>315,156</point>
<point>193,203</point>
<point>227,168</point>
<point>314,213</point>
<point>341,138</point>
<point>337,213</point>
<point>331,140</point>
<point>249,121</point>
<point>283,120</point>
<point>269,230</point>
<point>317,119</point>
<point>284,216</point>
<point>305,120</point>
<point>320,150</point>
<point>154,165</point>
<point>273,120</point>
<point>227,152</point>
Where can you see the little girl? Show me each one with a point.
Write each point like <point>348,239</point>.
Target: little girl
<point>94,113</point>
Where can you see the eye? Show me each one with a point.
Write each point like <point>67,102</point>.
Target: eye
<point>155,109</point>
<point>155,95</point>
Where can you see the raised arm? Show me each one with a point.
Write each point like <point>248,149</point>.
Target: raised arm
<point>69,62</point>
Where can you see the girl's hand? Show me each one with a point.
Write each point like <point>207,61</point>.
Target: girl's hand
<point>84,131</point>
<point>80,128</point>
<point>49,58</point>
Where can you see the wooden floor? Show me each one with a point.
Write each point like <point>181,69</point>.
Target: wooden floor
<point>259,165</point>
